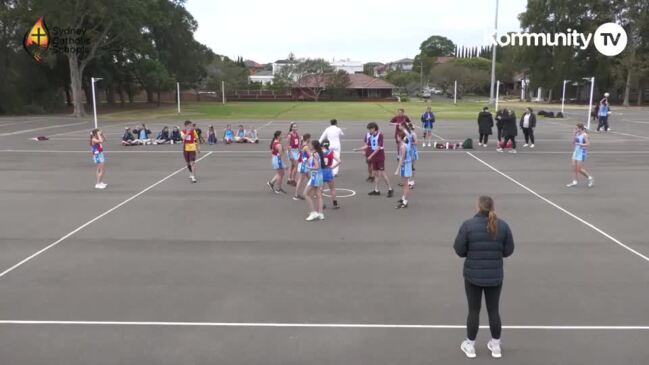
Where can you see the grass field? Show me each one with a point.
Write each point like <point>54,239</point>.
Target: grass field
<point>349,111</point>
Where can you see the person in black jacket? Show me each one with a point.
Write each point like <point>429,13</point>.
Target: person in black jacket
<point>510,130</point>
<point>499,124</point>
<point>485,126</point>
<point>527,124</point>
<point>483,240</point>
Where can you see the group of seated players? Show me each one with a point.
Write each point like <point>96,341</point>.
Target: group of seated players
<point>141,135</point>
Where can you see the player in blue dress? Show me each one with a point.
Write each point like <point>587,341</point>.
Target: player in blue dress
<point>314,185</point>
<point>579,155</point>
<point>302,169</point>
<point>405,165</point>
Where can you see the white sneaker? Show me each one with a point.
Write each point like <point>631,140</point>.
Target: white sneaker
<point>499,149</point>
<point>313,216</point>
<point>494,346</point>
<point>430,145</point>
<point>321,216</point>
<point>100,186</point>
<point>525,145</point>
<point>532,146</point>
<point>193,179</point>
<point>591,181</point>
<point>512,151</point>
<point>484,145</point>
<point>573,183</point>
<point>469,349</point>
<point>479,144</point>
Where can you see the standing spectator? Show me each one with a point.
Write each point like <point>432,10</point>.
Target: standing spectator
<point>333,134</point>
<point>397,121</point>
<point>510,131</point>
<point>485,126</point>
<point>427,122</point>
<point>499,124</point>
<point>528,123</point>
<point>602,114</point>
<point>484,241</point>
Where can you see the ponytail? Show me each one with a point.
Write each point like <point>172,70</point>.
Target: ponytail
<point>275,136</point>
<point>93,134</point>
<point>491,224</point>
<point>486,206</point>
<point>318,148</point>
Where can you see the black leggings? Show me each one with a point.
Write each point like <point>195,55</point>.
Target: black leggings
<point>603,123</point>
<point>529,135</point>
<point>511,138</point>
<point>500,133</point>
<point>484,138</point>
<point>474,297</point>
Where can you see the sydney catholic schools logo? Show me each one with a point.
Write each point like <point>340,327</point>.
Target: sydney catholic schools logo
<point>610,39</point>
<point>38,39</point>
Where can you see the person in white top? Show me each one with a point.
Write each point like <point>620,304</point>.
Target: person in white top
<point>333,134</point>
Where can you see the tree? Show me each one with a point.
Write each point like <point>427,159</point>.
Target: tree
<point>436,46</point>
<point>311,76</point>
<point>106,22</point>
<point>337,84</point>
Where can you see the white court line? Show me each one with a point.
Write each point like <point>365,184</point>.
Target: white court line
<point>27,259</point>
<point>311,325</point>
<point>615,240</point>
<point>487,151</point>
<point>39,129</point>
<point>265,125</point>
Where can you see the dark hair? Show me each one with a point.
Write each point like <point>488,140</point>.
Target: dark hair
<point>485,108</point>
<point>325,143</point>
<point>372,125</point>
<point>290,127</point>
<point>188,122</point>
<point>306,137</point>
<point>275,136</point>
<point>580,126</point>
<point>318,148</point>
<point>530,109</point>
<point>333,122</point>
<point>94,133</point>
<point>486,206</point>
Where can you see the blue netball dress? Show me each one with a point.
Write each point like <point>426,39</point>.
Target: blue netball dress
<point>302,166</point>
<point>406,167</point>
<point>98,153</point>
<point>412,141</point>
<point>581,152</point>
<point>327,172</point>
<point>315,176</point>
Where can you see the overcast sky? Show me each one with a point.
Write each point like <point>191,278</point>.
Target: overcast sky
<point>362,30</point>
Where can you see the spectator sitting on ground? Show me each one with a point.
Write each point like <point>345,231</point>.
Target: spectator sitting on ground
<point>163,136</point>
<point>240,136</point>
<point>199,132</point>
<point>211,135</point>
<point>228,134</point>
<point>128,139</point>
<point>251,136</point>
<point>144,134</point>
<point>175,135</point>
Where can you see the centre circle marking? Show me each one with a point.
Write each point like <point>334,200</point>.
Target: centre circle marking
<point>350,193</point>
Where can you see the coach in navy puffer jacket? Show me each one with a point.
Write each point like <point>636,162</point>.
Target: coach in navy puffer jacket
<point>484,254</point>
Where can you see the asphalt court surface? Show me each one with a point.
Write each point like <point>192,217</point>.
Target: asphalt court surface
<point>158,270</point>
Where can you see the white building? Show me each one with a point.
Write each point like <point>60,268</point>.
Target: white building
<point>351,67</point>
<point>265,77</point>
